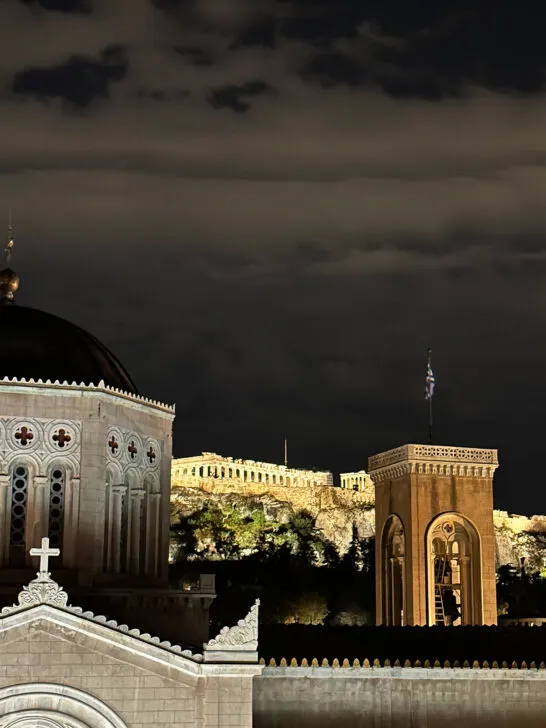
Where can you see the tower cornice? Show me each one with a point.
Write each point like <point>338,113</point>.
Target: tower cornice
<point>433,460</point>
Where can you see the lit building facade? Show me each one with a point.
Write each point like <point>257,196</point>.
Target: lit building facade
<point>435,540</point>
<point>359,481</point>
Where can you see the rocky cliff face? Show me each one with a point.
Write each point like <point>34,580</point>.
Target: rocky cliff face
<point>520,538</point>
<point>337,510</point>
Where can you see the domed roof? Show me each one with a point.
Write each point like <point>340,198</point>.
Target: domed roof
<point>37,345</point>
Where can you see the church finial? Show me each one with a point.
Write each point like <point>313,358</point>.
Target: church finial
<point>9,244</point>
<point>9,280</point>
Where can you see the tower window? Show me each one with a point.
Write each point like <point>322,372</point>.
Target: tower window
<point>454,572</point>
<point>393,558</point>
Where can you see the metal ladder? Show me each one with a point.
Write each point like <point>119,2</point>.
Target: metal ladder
<point>439,614</point>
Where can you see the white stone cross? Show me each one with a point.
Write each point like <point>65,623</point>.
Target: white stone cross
<point>44,553</point>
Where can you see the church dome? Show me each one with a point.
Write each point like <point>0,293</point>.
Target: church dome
<point>37,345</point>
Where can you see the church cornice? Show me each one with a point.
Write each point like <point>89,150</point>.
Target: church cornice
<point>39,386</point>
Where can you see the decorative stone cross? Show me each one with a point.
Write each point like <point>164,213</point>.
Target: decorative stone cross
<point>61,437</point>
<point>24,435</point>
<point>44,553</point>
<point>132,449</point>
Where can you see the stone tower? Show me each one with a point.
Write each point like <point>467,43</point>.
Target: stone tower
<point>435,544</point>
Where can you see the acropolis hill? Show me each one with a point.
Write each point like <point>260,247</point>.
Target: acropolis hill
<point>281,491</point>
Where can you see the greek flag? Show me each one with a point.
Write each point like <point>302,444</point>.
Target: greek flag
<point>429,379</point>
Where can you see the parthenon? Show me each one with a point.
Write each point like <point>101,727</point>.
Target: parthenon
<point>359,480</point>
<point>192,471</point>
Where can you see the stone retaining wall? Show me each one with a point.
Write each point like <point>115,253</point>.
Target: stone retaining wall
<point>399,697</point>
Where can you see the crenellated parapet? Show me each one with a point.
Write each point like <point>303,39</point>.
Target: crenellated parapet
<point>382,666</point>
<point>433,460</point>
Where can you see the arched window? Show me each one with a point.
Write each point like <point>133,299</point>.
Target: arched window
<point>454,572</point>
<point>131,522</point>
<point>49,707</point>
<point>19,500</point>
<point>393,564</point>
<point>57,485</point>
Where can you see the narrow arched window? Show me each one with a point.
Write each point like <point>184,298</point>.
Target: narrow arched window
<point>19,500</point>
<point>393,572</point>
<point>57,484</point>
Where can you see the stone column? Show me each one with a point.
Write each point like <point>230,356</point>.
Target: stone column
<point>37,522</point>
<point>118,491</point>
<point>468,607</point>
<point>402,562</point>
<point>135,505</point>
<point>153,514</point>
<point>108,536</point>
<point>71,517</point>
<point>4,520</point>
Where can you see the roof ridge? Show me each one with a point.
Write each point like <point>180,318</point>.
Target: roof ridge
<point>46,591</point>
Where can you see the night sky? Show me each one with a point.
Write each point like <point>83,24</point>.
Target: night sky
<point>269,209</point>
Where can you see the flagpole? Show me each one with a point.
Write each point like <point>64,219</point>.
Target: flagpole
<point>285,452</point>
<point>430,422</point>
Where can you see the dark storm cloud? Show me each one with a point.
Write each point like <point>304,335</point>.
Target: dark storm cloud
<point>63,6</point>
<point>237,98</point>
<point>194,55</point>
<point>78,80</point>
<point>287,266</point>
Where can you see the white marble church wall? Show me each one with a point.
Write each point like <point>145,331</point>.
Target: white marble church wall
<point>92,415</point>
<point>63,667</point>
<point>127,685</point>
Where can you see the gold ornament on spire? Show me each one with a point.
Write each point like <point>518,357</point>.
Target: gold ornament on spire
<point>9,280</point>
<point>9,245</point>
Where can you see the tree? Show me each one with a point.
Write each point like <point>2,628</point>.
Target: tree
<point>306,608</point>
